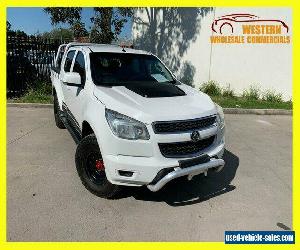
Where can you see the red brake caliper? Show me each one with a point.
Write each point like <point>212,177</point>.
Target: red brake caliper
<point>99,164</point>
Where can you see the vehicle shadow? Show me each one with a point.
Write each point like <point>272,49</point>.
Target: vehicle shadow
<point>181,192</point>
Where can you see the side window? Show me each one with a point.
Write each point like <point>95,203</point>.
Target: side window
<point>60,56</point>
<point>58,63</point>
<point>68,61</point>
<point>79,66</point>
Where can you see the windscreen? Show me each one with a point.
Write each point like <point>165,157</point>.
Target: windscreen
<point>113,69</point>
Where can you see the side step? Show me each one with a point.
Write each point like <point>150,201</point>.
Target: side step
<point>74,133</point>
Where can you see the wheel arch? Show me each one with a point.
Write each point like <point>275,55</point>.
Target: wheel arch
<point>86,129</point>
<point>93,120</point>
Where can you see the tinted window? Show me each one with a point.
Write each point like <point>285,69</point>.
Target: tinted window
<point>68,61</point>
<point>60,56</point>
<point>122,68</point>
<point>79,66</point>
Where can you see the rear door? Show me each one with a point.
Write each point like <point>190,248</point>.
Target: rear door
<point>55,73</point>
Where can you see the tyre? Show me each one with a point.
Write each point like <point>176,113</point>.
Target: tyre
<point>91,169</point>
<point>58,121</point>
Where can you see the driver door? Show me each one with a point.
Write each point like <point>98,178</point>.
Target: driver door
<point>66,89</point>
<point>76,94</point>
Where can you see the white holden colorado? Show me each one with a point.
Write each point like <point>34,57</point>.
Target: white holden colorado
<point>134,123</point>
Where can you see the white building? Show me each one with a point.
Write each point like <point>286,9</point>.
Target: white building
<point>268,66</point>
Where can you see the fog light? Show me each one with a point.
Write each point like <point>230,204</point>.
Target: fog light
<point>125,173</point>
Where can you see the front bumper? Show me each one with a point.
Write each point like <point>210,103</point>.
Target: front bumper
<point>145,169</point>
<point>143,160</point>
<point>191,171</point>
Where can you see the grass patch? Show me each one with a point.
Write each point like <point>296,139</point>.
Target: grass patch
<point>251,98</point>
<point>211,88</point>
<point>241,102</point>
<point>271,96</point>
<point>253,93</point>
<point>41,93</point>
<point>228,92</point>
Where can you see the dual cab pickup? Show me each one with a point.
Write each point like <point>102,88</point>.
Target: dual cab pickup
<point>135,124</point>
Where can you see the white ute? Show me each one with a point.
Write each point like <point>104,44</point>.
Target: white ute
<point>134,123</point>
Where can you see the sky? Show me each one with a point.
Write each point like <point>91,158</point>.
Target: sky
<point>33,20</point>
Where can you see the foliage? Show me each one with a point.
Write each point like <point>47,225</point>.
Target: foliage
<point>58,34</point>
<point>249,99</point>
<point>253,93</point>
<point>272,96</point>
<point>8,26</point>
<point>63,15</point>
<point>240,102</point>
<point>228,91</point>
<point>79,29</point>
<point>211,88</point>
<point>18,33</point>
<point>42,87</point>
<point>107,22</point>
<point>40,93</point>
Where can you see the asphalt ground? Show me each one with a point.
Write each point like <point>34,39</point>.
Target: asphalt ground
<point>47,202</point>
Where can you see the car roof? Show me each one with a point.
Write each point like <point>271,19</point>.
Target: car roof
<point>94,47</point>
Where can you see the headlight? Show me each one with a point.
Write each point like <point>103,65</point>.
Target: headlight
<point>126,127</point>
<point>220,116</point>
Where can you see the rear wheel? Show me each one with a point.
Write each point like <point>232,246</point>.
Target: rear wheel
<point>58,121</point>
<point>91,169</point>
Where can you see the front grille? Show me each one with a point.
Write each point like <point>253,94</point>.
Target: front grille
<point>183,125</point>
<point>184,149</point>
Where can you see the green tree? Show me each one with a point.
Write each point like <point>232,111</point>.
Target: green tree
<point>9,31</point>
<point>79,29</point>
<point>8,26</point>
<point>21,33</point>
<point>59,34</point>
<point>71,16</point>
<point>64,15</point>
<point>107,22</point>
<point>18,33</point>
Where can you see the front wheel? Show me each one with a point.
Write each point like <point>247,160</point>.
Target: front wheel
<point>91,169</point>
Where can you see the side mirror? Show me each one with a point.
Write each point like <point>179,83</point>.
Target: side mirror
<point>72,79</point>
